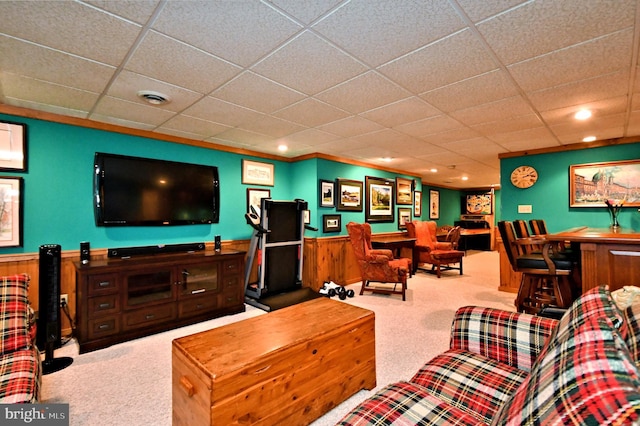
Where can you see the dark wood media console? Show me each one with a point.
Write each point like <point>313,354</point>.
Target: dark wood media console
<point>123,299</point>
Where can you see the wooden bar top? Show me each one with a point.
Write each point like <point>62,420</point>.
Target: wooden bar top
<point>585,234</point>
<point>260,336</point>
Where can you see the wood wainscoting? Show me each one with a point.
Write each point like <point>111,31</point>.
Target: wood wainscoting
<point>325,259</point>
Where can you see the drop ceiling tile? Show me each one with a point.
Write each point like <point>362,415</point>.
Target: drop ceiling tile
<point>303,62</point>
<point>524,122</point>
<point>361,27</point>
<point>499,110</point>
<point>306,11</point>
<point>429,126</point>
<point>178,133</point>
<point>365,92</point>
<point>480,89</point>
<point>581,92</point>
<point>590,59</point>
<point>480,10</point>
<point>70,27</point>
<point>401,112</point>
<point>127,85</point>
<point>203,128</point>
<point>634,124</point>
<point>452,135</point>
<point>598,108</point>
<point>447,61</point>
<point>135,10</point>
<point>241,35</point>
<point>310,136</point>
<point>243,137</point>
<point>121,122</point>
<point>602,127</point>
<point>255,92</point>
<point>311,112</point>
<point>130,111</point>
<point>545,26</point>
<point>219,111</point>
<point>351,126</point>
<point>527,139</point>
<point>157,56</point>
<point>49,65</point>
<point>36,106</point>
<point>270,126</point>
<point>44,93</point>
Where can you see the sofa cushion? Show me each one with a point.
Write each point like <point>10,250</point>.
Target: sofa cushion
<point>588,378</point>
<point>473,383</point>
<point>14,313</point>
<point>20,376</point>
<point>406,403</point>
<point>632,318</point>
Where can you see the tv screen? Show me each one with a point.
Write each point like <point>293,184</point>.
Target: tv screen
<point>134,191</point>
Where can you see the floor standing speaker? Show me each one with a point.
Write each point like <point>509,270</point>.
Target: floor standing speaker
<point>49,331</point>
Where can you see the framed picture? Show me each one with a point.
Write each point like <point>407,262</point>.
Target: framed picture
<point>254,198</point>
<point>417,203</point>
<point>479,204</point>
<point>10,212</point>
<point>403,191</point>
<point>434,204</point>
<point>307,217</point>
<point>327,193</point>
<point>591,184</point>
<point>13,146</point>
<point>404,216</point>
<point>257,173</point>
<point>379,199</point>
<point>349,195</point>
<point>331,223</point>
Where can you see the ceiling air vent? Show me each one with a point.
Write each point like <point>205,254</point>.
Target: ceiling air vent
<point>154,98</point>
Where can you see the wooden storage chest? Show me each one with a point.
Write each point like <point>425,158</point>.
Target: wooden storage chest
<point>288,367</point>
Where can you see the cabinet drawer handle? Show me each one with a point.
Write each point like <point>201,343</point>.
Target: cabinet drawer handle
<point>104,305</point>
<point>188,387</point>
<point>104,284</point>
<point>149,316</point>
<point>104,326</point>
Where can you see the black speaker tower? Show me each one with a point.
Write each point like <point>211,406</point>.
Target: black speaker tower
<point>49,331</point>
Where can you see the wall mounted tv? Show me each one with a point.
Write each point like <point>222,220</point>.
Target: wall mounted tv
<point>134,191</point>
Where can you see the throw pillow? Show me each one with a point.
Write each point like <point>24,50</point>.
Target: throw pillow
<point>14,313</point>
<point>589,378</point>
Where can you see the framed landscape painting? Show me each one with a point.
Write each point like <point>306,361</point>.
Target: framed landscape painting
<point>349,195</point>
<point>591,184</point>
<point>379,199</point>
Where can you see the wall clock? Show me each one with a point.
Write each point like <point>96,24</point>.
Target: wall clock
<point>524,176</point>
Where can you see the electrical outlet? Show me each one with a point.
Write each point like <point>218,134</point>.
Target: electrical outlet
<point>64,299</point>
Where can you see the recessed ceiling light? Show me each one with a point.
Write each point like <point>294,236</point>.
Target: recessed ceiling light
<point>282,148</point>
<point>589,139</point>
<point>154,98</point>
<point>434,170</point>
<point>386,159</point>
<point>465,178</point>
<point>583,114</point>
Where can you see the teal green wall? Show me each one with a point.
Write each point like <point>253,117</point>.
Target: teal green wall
<point>58,189</point>
<point>549,197</point>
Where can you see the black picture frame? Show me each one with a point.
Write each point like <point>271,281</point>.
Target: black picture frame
<point>13,140</point>
<point>331,223</point>
<point>380,199</point>
<point>349,195</point>
<point>327,191</point>
<point>417,203</point>
<point>434,204</point>
<point>404,189</point>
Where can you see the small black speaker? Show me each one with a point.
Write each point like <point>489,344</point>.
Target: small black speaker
<point>85,252</point>
<point>217,243</point>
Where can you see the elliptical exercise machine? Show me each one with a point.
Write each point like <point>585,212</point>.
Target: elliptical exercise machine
<point>277,243</point>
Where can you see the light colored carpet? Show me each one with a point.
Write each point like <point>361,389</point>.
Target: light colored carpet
<point>130,383</point>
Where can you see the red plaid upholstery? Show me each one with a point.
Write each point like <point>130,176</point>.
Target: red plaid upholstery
<point>586,379</point>
<point>407,404</point>
<point>512,338</point>
<point>473,383</point>
<point>632,319</point>
<point>20,374</point>
<point>14,313</point>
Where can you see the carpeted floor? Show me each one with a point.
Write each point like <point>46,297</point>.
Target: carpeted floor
<point>130,383</point>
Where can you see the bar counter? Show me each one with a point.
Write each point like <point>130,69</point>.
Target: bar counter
<point>608,256</point>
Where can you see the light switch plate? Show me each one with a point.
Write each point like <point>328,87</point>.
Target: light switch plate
<point>525,208</point>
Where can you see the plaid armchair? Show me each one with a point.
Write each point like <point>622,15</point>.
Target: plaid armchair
<point>20,365</point>
<point>507,368</point>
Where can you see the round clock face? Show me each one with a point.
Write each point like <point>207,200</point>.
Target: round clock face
<point>524,176</point>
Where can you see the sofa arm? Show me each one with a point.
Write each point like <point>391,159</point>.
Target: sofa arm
<point>508,337</point>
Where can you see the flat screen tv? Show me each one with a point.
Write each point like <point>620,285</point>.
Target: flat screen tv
<point>134,191</point>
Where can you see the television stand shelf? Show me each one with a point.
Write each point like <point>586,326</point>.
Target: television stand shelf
<point>124,299</point>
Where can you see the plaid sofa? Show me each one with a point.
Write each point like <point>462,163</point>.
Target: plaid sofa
<point>506,368</point>
<point>20,365</point>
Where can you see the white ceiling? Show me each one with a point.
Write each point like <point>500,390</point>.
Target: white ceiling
<point>446,84</point>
